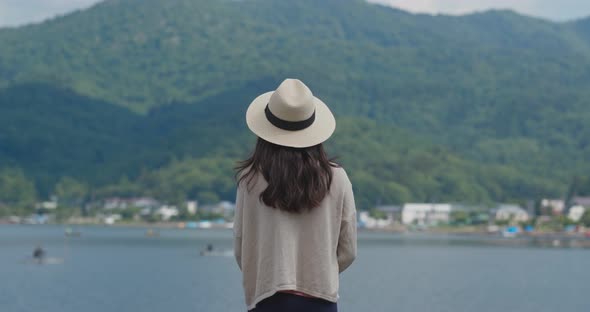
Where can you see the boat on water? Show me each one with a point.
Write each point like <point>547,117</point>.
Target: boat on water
<point>152,233</point>
<point>69,232</point>
<point>211,252</point>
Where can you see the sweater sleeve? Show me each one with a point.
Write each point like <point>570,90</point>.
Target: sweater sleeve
<point>346,251</point>
<point>238,228</point>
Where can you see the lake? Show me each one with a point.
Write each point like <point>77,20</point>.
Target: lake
<point>120,269</point>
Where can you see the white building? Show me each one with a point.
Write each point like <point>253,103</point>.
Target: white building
<point>48,205</point>
<point>51,204</point>
<point>115,203</point>
<point>365,220</point>
<point>144,202</point>
<point>511,213</point>
<point>124,203</point>
<point>192,207</point>
<point>576,213</point>
<point>167,212</point>
<point>556,205</point>
<point>426,214</point>
<point>112,219</point>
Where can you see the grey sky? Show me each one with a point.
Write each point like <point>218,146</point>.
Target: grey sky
<point>559,10</point>
<point>18,12</point>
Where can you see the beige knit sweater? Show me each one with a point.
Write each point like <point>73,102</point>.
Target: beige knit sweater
<point>305,252</point>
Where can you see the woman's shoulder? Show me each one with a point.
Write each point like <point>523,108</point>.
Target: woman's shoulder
<point>339,175</point>
<point>248,180</point>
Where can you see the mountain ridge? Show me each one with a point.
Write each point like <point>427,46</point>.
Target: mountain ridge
<point>496,94</point>
<point>167,37</point>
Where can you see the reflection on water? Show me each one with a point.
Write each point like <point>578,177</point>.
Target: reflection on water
<point>122,269</point>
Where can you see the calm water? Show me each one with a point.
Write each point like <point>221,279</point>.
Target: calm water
<point>119,269</point>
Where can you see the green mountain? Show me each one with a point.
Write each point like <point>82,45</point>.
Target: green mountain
<point>147,96</point>
<point>51,132</point>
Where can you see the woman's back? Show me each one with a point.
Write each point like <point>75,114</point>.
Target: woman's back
<point>295,223</point>
<point>304,252</point>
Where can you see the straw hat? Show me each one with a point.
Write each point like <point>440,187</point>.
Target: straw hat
<point>291,116</point>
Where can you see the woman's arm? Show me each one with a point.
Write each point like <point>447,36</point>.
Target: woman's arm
<point>346,251</point>
<point>238,228</point>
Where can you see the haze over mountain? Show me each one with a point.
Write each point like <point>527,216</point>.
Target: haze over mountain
<point>563,10</point>
<point>490,106</point>
<point>19,13</point>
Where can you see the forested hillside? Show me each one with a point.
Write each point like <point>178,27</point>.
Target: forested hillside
<point>148,97</point>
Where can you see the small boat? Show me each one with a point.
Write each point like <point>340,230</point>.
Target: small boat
<point>71,233</point>
<point>211,252</point>
<point>152,233</point>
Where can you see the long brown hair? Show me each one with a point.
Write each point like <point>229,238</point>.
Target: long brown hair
<point>298,178</point>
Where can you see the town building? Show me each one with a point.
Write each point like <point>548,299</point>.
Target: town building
<point>513,213</point>
<point>192,207</point>
<point>111,219</point>
<point>576,212</point>
<point>364,220</point>
<point>426,213</point>
<point>48,205</point>
<point>125,203</point>
<point>555,207</point>
<point>391,212</point>
<point>167,212</point>
<point>223,208</point>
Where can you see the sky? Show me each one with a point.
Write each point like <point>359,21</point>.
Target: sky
<point>19,12</point>
<point>558,10</point>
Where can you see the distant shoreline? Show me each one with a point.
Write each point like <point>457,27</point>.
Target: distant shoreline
<point>466,231</point>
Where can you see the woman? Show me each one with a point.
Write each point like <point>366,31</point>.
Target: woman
<point>295,223</point>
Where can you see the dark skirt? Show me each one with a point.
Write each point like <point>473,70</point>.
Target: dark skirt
<point>285,302</point>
